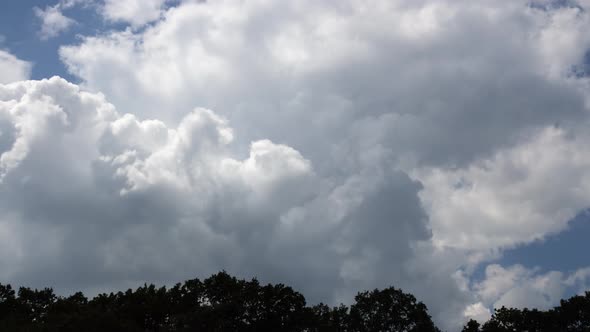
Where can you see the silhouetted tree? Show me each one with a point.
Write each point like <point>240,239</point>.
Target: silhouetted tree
<point>389,310</point>
<point>218,303</point>
<point>224,303</point>
<point>471,326</point>
<point>574,314</point>
<point>330,319</point>
<point>571,315</point>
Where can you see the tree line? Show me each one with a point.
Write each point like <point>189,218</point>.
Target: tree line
<point>218,303</point>
<point>572,315</point>
<point>225,303</point>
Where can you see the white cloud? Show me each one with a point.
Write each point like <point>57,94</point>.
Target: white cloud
<point>478,312</point>
<point>479,94</point>
<point>384,79</point>
<point>134,12</point>
<point>580,280</point>
<point>516,196</point>
<point>563,40</point>
<point>519,287</point>
<point>53,22</point>
<point>13,69</point>
<point>66,4</point>
<point>53,127</point>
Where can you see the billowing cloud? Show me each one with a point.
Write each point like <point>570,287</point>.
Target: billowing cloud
<point>382,85</point>
<point>332,146</point>
<point>13,69</point>
<point>112,199</point>
<point>518,195</point>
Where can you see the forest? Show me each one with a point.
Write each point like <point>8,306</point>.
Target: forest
<point>225,303</point>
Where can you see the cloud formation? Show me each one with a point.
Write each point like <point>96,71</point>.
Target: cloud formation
<point>134,12</point>
<point>53,21</point>
<point>333,146</point>
<point>118,198</point>
<point>521,194</point>
<point>519,287</point>
<point>13,69</point>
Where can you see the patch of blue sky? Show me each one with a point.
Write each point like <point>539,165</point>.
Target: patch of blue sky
<point>20,28</point>
<point>566,251</point>
<point>582,69</point>
<point>19,33</point>
<point>552,4</point>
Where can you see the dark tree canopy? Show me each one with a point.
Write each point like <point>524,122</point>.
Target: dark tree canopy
<point>225,303</point>
<point>389,310</point>
<point>572,315</point>
<point>218,303</point>
<point>472,326</point>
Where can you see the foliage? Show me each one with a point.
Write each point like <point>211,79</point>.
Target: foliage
<point>218,303</point>
<point>389,310</point>
<point>225,303</point>
<point>572,315</point>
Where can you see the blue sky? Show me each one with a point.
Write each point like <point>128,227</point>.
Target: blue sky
<point>20,27</point>
<point>558,252</point>
<point>563,251</point>
<point>331,146</point>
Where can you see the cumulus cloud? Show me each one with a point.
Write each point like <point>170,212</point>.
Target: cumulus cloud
<point>134,12</point>
<point>114,199</point>
<point>336,146</point>
<point>53,21</point>
<point>519,287</point>
<point>13,69</point>
<point>515,196</point>
<point>383,85</point>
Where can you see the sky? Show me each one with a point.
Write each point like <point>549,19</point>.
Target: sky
<point>335,146</point>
